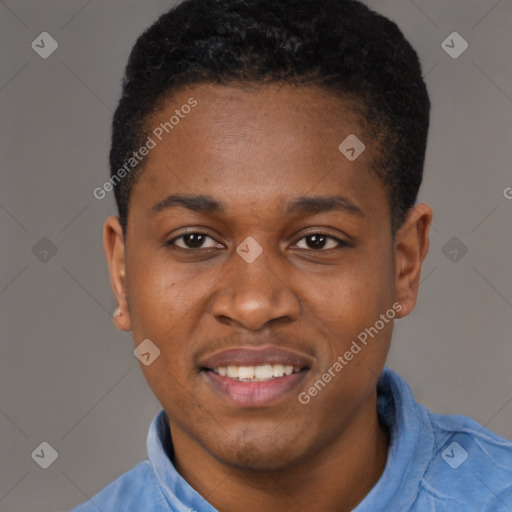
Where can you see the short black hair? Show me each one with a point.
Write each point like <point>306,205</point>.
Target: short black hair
<point>340,45</point>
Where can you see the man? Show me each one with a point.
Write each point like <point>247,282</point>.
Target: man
<point>266,159</point>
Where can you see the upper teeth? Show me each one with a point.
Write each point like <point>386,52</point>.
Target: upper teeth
<point>256,373</point>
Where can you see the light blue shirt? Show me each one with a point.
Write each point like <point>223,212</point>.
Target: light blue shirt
<point>435,463</point>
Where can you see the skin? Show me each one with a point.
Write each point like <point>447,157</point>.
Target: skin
<point>255,151</point>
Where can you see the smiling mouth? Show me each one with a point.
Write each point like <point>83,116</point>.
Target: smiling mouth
<point>259,373</point>
<point>251,377</point>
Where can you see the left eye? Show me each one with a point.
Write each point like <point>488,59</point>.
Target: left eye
<point>321,241</point>
<point>193,241</point>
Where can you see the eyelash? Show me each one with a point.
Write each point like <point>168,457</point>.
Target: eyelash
<point>341,243</point>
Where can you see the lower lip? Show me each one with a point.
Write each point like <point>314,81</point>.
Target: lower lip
<point>255,394</point>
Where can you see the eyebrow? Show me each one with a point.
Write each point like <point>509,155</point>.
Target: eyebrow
<point>301,205</point>
<point>200,204</point>
<point>321,204</point>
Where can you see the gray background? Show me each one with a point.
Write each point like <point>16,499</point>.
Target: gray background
<point>69,378</point>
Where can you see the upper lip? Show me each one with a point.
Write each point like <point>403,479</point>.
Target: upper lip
<point>254,356</point>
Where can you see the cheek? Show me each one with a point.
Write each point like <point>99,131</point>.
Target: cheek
<point>160,294</point>
<point>165,306</point>
<point>358,290</point>
<point>346,307</point>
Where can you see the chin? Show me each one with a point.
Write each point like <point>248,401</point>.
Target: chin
<point>260,455</point>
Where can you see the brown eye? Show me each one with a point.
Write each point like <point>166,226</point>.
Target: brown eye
<point>317,241</point>
<point>193,241</point>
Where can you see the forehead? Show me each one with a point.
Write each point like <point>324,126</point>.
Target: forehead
<point>249,145</point>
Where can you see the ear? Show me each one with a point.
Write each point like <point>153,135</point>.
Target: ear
<point>411,247</point>
<point>114,246</point>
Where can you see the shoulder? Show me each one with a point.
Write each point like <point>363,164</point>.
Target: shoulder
<point>133,491</point>
<point>470,468</point>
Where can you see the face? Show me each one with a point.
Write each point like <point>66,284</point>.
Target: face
<point>255,248</point>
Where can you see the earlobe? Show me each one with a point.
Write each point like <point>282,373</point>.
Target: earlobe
<point>123,324</point>
<point>114,246</point>
<point>411,247</point>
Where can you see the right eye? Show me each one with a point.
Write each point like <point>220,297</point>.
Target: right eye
<point>192,241</point>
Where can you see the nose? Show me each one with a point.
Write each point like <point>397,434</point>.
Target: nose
<point>255,294</point>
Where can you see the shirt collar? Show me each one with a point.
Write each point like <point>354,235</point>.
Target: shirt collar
<point>410,450</point>
<point>180,495</point>
<point>409,453</point>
